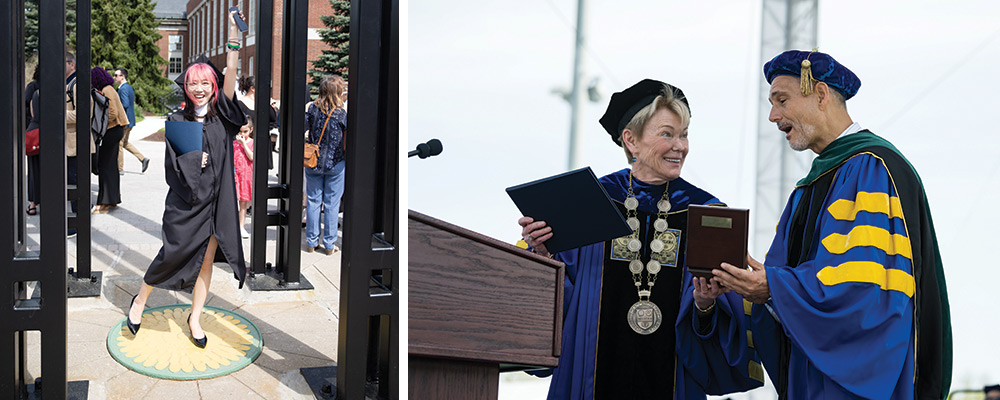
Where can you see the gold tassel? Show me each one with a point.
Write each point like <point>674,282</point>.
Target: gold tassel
<point>806,77</point>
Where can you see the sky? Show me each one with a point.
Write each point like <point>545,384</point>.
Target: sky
<point>480,77</point>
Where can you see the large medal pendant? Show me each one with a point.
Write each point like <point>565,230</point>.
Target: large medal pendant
<point>644,317</point>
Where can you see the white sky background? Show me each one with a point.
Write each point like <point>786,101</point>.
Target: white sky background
<point>480,75</point>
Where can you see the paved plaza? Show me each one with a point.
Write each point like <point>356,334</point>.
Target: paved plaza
<point>298,328</point>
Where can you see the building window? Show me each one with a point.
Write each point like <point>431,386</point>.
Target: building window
<point>175,43</point>
<point>175,65</point>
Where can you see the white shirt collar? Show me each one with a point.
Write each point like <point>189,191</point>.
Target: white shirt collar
<point>854,128</point>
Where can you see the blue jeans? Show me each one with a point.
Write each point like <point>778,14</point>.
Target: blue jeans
<point>325,189</point>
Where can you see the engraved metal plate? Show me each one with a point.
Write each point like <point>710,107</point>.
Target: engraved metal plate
<point>717,222</point>
<point>660,225</point>
<point>656,245</point>
<point>631,203</point>
<point>633,223</point>
<point>635,266</point>
<point>653,267</point>
<point>644,317</point>
<point>663,205</point>
<point>634,245</point>
<point>671,242</point>
<point>619,248</point>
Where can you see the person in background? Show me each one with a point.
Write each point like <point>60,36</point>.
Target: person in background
<point>71,169</point>
<point>243,162</point>
<point>992,392</point>
<point>247,104</point>
<point>34,162</point>
<point>127,96</point>
<point>326,120</point>
<point>109,193</point>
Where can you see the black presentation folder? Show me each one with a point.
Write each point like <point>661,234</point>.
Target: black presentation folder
<point>575,205</point>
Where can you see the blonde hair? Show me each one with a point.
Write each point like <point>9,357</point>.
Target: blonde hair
<point>330,90</point>
<point>667,100</point>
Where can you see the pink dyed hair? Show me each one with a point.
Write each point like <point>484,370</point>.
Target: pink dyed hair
<point>197,72</point>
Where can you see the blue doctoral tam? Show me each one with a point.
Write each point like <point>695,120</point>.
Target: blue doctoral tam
<point>824,69</point>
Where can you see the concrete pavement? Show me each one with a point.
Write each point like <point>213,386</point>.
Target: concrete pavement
<point>299,328</point>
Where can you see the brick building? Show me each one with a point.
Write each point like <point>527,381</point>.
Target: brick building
<point>173,28</point>
<point>207,33</point>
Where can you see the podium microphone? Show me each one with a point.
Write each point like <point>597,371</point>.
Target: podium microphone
<point>424,150</point>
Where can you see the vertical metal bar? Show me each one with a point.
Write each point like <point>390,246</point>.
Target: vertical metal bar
<point>576,96</point>
<point>372,157</point>
<point>262,146</point>
<point>293,85</point>
<point>9,343</point>
<point>52,319</point>
<point>17,40</point>
<point>83,56</point>
<point>390,342</point>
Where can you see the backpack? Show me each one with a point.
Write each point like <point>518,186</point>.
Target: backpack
<point>99,117</point>
<point>98,112</point>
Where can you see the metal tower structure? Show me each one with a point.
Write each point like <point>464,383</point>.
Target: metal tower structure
<point>785,25</point>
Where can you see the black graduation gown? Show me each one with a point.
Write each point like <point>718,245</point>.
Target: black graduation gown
<point>201,202</point>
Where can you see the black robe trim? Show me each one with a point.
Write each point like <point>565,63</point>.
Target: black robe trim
<point>630,365</point>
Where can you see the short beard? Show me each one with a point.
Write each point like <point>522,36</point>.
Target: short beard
<point>801,141</point>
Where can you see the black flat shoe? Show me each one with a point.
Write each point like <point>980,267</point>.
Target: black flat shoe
<point>134,328</point>
<point>201,343</point>
<point>145,164</point>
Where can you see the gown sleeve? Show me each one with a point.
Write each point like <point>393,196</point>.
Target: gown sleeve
<point>850,307</point>
<point>230,114</point>
<point>720,360</point>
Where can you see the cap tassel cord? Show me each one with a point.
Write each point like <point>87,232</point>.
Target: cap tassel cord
<point>806,78</point>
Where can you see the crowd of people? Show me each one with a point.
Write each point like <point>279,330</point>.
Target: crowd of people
<point>326,123</point>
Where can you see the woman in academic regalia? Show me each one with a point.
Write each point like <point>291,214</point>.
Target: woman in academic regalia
<point>623,336</point>
<point>200,221</point>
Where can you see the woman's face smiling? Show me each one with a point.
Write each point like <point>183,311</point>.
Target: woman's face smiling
<point>200,91</point>
<point>661,151</point>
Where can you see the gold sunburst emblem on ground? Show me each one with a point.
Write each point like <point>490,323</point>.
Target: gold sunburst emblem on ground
<point>163,346</point>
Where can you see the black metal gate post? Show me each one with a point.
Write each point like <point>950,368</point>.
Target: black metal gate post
<point>369,298</point>
<point>289,190</point>
<point>262,74</point>
<point>368,344</point>
<point>82,281</point>
<point>45,313</point>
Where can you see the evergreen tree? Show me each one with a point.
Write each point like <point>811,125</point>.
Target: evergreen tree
<point>337,36</point>
<point>31,27</point>
<point>123,34</point>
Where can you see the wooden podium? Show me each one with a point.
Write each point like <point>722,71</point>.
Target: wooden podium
<point>476,304</point>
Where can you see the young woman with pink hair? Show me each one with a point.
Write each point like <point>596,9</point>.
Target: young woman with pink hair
<point>200,222</point>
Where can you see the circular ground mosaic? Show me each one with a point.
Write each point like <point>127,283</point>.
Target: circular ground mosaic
<point>163,347</point>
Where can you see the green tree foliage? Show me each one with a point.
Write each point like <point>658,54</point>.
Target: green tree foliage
<point>31,27</point>
<point>337,36</point>
<point>123,34</point>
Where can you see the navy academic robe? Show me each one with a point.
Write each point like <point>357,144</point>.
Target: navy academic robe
<point>853,262</point>
<point>603,358</point>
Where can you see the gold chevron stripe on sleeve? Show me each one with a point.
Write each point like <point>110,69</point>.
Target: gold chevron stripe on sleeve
<point>873,202</point>
<point>867,235</point>
<point>868,272</point>
<point>756,371</point>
